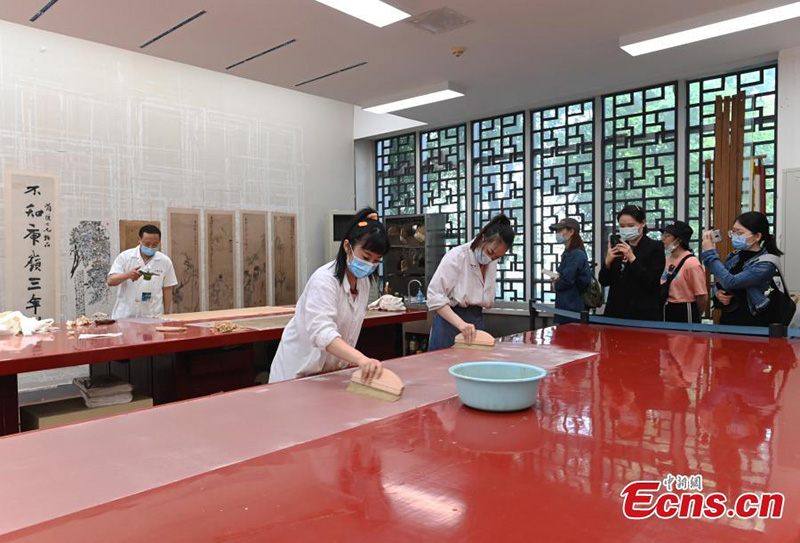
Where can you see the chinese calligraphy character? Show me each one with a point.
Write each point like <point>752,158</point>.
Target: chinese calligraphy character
<point>34,190</point>
<point>669,480</point>
<point>48,207</point>
<point>34,234</point>
<point>682,482</point>
<point>34,283</point>
<point>696,482</point>
<point>31,211</point>
<point>34,262</point>
<point>34,304</point>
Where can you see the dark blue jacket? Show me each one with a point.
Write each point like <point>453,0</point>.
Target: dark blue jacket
<point>574,278</point>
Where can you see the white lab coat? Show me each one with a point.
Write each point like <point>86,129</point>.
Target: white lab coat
<point>458,281</point>
<point>325,311</point>
<point>142,298</point>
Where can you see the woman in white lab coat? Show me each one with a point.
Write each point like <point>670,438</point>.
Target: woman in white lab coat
<point>322,335</point>
<point>464,284</point>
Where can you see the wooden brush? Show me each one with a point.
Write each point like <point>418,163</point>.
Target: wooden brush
<point>483,341</point>
<point>388,387</point>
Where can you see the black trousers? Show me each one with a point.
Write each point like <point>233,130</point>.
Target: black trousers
<point>685,312</point>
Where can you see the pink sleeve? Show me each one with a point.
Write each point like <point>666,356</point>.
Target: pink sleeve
<point>698,280</point>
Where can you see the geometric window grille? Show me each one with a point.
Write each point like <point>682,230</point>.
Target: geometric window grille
<point>562,174</point>
<point>395,175</point>
<point>640,154</point>
<point>760,86</point>
<point>498,186</point>
<point>443,170</point>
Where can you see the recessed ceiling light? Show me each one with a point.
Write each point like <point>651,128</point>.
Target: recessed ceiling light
<point>438,93</point>
<point>713,30</point>
<point>374,12</point>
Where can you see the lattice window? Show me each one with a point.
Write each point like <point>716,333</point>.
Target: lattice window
<point>562,174</point>
<point>761,127</point>
<point>498,186</point>
<point>443,169</point>
<point>395,175</point>
<point>640,153</point>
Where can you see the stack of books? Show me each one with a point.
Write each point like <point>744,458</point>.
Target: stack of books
<point>104,390</point>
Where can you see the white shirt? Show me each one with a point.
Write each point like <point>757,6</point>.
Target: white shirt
<point>142,298</point>
<point>326,311</point>
<point>458,281</point>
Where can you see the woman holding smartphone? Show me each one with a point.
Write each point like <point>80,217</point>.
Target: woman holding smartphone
<point>632,270</point>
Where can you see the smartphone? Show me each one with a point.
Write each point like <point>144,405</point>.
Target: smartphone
<point>615,240</point>
<point>717,236</point>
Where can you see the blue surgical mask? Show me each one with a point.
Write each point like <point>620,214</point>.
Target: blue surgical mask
<point>560,237</point>
<point>147,251</point>
<point>482,258</point>
<point>739,242</point>
<point>629,233</point>
<point>669,249</point>
<point>361,268</point>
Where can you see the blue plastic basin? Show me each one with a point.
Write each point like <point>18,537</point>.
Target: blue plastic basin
<point>497,386</point>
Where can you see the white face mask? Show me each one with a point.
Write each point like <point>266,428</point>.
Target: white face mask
<point>482,258</point>
<point>629,233</point>
<point>669,249</point>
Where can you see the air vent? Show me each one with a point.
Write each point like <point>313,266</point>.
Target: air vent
<point>354,66</point>
<point>173,29</point>
<point>261,54</point>
<point>42,11</point>
<point>439,21</point>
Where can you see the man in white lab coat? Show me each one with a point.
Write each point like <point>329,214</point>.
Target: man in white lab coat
<point>145,278</point>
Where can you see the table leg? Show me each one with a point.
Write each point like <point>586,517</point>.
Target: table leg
<point>9,405</point>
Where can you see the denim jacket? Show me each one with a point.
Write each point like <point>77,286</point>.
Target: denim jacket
<point>754,278</point>
<point>574,278</point>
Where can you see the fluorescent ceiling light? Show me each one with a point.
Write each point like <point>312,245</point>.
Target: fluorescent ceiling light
<point>421,100</point>
<point>714,30</point>
<point>374,12</point>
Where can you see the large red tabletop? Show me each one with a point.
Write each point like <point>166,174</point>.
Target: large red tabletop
<point>57,349</point>
<point>306,461</point>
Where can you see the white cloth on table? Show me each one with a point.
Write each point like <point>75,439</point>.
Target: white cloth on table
<point>458,281</point>
<point>14,322</point>
<point>387,302</point>
<point>325,311</point>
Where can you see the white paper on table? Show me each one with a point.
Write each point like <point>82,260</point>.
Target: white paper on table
<point>94,336</point>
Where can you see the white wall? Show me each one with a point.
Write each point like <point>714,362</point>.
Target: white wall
<point>788,111</point>
<point>130,135</point>
<point>788,149</point>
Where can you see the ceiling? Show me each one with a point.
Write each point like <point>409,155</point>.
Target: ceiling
<point>520,53</point>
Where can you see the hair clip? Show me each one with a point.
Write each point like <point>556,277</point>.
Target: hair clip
<point>363,223</point>
<point>373,216</point>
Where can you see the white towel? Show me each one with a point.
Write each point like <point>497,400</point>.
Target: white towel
<point>387,302</point>
<point>17,323</point>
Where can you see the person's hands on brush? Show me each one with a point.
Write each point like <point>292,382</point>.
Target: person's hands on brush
<point>370,368</point>
<point>468,331</point>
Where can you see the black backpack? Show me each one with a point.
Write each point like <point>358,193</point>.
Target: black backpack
<point>781,307</point>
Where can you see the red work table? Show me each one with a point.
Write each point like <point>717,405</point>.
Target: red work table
<point>381,337</point>
<point>304,461</point>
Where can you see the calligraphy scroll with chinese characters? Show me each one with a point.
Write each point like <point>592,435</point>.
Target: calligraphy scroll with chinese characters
<point>284,258</point>
<point>32,244</point>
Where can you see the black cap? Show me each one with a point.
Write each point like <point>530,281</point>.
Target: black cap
<point>566,223</point>
<point>679,229</point>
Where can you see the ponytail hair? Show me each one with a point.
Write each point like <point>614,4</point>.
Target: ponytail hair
<point>365,231</point>
<point>497,229</point>
<point>758,223</point>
